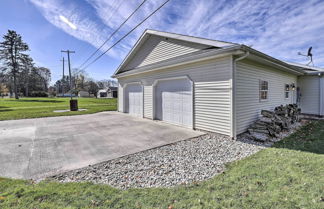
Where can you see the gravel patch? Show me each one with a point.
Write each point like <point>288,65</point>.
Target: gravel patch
<point>183,162</point>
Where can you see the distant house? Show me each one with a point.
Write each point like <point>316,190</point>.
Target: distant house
<point>210,85</point>
<point>4,90</point>
<point>110,92</point>
<point>66,94</point>
<point>85,94</point>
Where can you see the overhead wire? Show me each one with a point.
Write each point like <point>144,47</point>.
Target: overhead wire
<point>126,34</point>
<point>114,7</point>
<point>111,35</point>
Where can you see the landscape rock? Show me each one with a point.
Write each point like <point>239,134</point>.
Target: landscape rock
<point>272,123</point>
<point>183,162</point>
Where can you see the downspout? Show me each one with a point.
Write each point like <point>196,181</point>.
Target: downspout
<point>321,92</point>
<point>233,110</point>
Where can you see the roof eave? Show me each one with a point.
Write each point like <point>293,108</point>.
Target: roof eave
<point>319,73</point>
<point>273,60</point>
<point>235,50</point>
<point>192,39</point>
<point>305,67</point>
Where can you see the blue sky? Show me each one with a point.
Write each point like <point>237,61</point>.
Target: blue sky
<point>278,28</point>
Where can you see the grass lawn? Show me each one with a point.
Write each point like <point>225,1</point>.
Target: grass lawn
<point>289,175</point>
<point>43,107</point>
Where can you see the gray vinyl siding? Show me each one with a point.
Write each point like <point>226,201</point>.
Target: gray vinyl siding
<point>321,96</point>
<point>211,92</point>
<point>120,98</point>
<point>148,101</point>
<point>247,103</point>
<point>212,106</point>
<point>310,91</point>
<point>157,49</point>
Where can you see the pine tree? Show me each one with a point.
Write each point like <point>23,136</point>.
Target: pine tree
<point>11,52</point>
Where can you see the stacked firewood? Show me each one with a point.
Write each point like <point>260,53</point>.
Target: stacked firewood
<point>272,123</point>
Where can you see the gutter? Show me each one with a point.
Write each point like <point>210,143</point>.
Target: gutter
<point>319,73</point>
<point>247,53</point>
<point>273,60</point>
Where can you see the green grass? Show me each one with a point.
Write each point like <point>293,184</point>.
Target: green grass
<point>43,107</point>
<point>289,175</point>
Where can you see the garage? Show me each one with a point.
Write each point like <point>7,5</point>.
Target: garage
<point>134,99</point>
<point>173,101</point>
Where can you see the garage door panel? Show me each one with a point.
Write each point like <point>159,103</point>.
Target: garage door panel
<point>174,102</point>
<point>134,99</point>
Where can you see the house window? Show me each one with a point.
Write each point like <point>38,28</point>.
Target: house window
<point>286,91</point>
<point>263,90</point>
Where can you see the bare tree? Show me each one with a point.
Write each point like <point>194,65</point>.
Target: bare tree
<point>79,78</point>
<point>106,83</point>
<point>45,76</point>
<point>92,88</point>
<point>25,75</point>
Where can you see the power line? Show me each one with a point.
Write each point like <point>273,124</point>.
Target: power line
<point>114,8</point>
<point>126,35</point>
<point>121,25</point>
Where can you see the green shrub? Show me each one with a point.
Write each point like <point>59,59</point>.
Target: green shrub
<point>38,94</point>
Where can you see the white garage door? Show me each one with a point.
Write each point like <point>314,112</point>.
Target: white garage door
<point>174,102</point>
<point>134,99</point>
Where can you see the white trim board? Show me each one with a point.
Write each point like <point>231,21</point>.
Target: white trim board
<point>187,77</point>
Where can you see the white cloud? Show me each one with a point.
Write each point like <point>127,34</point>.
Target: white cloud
<point>88,30</point>
<point>113,13</point>
<point>278,28</point>
<point>65,20</point>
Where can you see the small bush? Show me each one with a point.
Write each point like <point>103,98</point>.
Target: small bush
<point>38,94</point>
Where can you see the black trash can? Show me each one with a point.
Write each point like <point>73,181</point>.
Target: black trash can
<point>74,105</point>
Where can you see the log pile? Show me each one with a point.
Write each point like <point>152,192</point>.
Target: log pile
<point>272,123</point>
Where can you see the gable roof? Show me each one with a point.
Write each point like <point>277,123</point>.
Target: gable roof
<point>191,39</point>
<point>213,48</point>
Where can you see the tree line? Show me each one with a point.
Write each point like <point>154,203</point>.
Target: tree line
<point>18,73</point>
<point>81,81</point>
<point>19,76</point>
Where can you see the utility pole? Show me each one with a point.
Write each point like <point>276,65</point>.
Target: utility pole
<point>68,53</point>
<point>63,77</point>
<point>73,103</point>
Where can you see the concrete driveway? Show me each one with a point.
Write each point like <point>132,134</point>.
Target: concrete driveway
<point>35,148</point>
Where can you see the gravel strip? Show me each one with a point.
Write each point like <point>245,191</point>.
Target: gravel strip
<point>183,162</point>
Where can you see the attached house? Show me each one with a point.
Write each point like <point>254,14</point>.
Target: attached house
<point>311,90</point>
<point>202,84</point>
